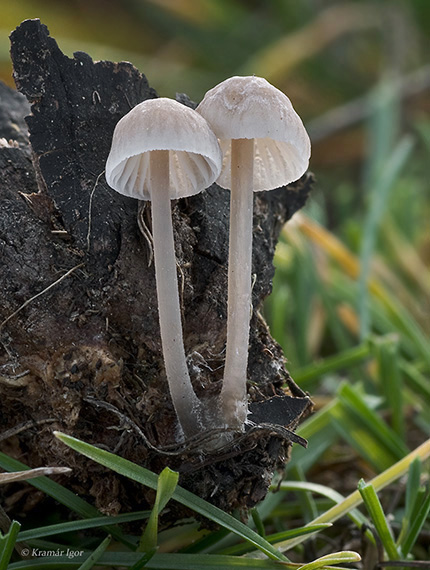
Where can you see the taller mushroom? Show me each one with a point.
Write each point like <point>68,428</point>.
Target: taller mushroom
<point>265,146</point>
<point>162,150</point>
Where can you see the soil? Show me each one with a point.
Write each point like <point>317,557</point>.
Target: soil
<point>79,337</point>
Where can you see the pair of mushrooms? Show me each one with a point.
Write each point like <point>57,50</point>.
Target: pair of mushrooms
<point>246,136</point>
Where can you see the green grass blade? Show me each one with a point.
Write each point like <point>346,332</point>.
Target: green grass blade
<point>412,487</point>
<point>374,508</point>
<point>208,543</point>
<point>359,438</point>
<point>383,127</point>
<point>388,314</point>
<point>355,403</point>
<point>240,549</point>
<point>145,477</point>
<point>406,324</point>
<point>258,522</point>
<point>306,500</point>
<point>380,194</point>
<point>305,376</point>
<point>97,522</point>
<point>95,556</point>
<point>302,283</point>
<point>143,561</point>
<point>416,381</point>
<point>344,557</point>
<point>358,518</point>
<point>364,430</point>
<point>319,432</point>
<point>7,544</point>
<point>167,483</point>
<point>416,527</point>
<point>390,379</point>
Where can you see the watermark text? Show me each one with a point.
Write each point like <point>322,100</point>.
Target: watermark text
<point>39,553</point>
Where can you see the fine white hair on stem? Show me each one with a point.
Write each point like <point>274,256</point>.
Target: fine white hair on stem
<point>265,146</point>
<point>233,393</point>
<point>185,401</point>
<point>162,150</point>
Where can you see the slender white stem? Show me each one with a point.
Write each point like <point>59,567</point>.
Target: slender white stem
<point>185,401</point>
<point>233,394</point>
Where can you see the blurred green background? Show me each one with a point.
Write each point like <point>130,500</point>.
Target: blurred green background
<point>351,295</point>
<point>321,53</point>
<point>353,267</point>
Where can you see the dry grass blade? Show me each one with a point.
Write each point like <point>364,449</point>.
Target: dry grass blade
<point>31,474</point>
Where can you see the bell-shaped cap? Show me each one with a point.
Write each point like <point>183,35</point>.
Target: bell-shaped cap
<point>163,124</point>
<point>251,108</point>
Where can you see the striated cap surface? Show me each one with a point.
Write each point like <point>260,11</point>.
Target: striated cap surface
<point>163,124</point>
<point>252,108</point>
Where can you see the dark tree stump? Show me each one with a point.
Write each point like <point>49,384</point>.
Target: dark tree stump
<point>80,348</point>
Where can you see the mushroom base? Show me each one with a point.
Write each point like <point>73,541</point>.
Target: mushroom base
<point>80,353</point>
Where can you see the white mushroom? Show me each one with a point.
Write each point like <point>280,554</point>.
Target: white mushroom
<point>265,146</point>
<point>162,150</point>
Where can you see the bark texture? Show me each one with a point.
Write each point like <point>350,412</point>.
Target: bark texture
<point>79,336</point>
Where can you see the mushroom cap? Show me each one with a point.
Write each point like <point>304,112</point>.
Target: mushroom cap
<point>163,124</point>
<point>251,108</point>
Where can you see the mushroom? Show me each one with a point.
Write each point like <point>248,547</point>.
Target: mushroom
<point>265,146</point>
<point>162,150</point>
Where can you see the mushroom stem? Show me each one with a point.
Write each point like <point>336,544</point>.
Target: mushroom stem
<point>234,403</point>
<point>185,401</point>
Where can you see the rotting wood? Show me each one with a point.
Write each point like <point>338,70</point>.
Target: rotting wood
<point>95,336</point>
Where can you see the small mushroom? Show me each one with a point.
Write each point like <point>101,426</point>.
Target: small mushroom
<point>162,150</point>
<point>265,146</point>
